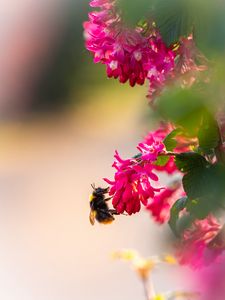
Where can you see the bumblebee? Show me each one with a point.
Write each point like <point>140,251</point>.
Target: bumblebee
<point>100,210</point>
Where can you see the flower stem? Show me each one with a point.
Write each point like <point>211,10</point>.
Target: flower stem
<point>149,289</point>
<point>219,150</point>
<point>146,292</point>
<point>152,289</point>
<point>168,154</point>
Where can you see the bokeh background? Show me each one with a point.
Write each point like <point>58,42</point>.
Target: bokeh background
<point>60,123</point>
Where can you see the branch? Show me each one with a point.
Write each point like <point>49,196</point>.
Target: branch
<point>168,153</point>
<point>220,155</point>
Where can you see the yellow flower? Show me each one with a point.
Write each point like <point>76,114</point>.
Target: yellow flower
<point>159,297</point>
<point>143,267</point>
<point>126,255</point>
<point>140,265</point>
<point>169,259</point>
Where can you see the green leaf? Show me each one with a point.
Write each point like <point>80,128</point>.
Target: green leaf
<point>134,11</point>
<point>183,107</point>
<point>208,134</point>
<point>169,142</point>
<point>173,18</point>
<point>204,186</point>
<point>205,182</point>
<point>209,23</point>
<point>178,206</point>
<point>190,161</point>
<point>200,208</point>
<point>176,18</point>
<point>161,161</point>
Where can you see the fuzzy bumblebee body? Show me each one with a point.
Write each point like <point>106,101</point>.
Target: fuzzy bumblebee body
<point>100,210</point>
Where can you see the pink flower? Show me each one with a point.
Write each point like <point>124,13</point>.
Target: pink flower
<point>160,205</point>
<point>159,134</point>
<point>128,54</point>
<point>150,152</point>
<point>132,184</point>
<point>210,281</point>
<point>160,67</point>
<point>190,62</point>
<point>101,3</point>
<point>194,248</point>
<point>157,137</point>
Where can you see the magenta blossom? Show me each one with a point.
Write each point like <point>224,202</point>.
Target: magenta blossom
<point>132,184</point>
<point>157,137</point>
<point>190,62</point>
<point>195,248</point>
<point>150,152</point>
<point>128,54</point>
<point>162,69</point>
<point>102,3</point>
<point>133,179</point>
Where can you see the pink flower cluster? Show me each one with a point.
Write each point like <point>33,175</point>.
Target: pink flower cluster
<point>134,177</point>
<point>129,54</point>
<point>195,248</point>
<point>190,62</point>
<point>132,181</point>
<point>158,136</point>
<point>136,182</point>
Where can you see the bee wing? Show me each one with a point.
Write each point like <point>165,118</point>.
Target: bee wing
<point>92,217</point>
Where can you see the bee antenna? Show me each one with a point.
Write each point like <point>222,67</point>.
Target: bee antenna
<point>93,186</point>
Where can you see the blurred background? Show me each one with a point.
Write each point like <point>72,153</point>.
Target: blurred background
<point>60,122</point>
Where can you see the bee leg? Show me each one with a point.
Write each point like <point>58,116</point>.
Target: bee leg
<point>106,190</point>
<point>113,212</point>
<point>107,199</point>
